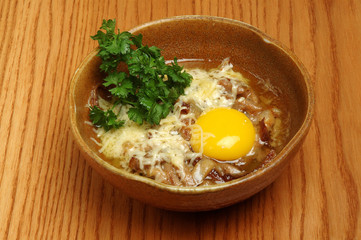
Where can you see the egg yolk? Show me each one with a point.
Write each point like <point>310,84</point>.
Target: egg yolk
<point>223,134</point>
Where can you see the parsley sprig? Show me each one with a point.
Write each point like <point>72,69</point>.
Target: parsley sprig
<point>149,85</point>
<point>106,119</point>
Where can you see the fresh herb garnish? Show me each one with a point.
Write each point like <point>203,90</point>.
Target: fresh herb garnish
<point>149,85</point>
<point>106,119</point>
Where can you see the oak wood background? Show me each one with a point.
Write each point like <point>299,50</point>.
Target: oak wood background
<point>47,191</point>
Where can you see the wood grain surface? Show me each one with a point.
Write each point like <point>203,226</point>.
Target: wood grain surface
<point>47,191</point>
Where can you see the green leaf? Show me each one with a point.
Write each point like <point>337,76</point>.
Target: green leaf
<point>146,102</point>
<point>149,85</point>
<point>155,114</point>
<point>114,48</point>
<point>109,25</point>
<point>137,40</point>
<point>136,115</point>
<point>154,51</point>
<point>114,78</point>
<point>123,89</point>
<point>167,107</point>
<point>106,119</point>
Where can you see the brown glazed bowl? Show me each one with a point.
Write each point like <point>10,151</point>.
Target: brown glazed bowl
<point>202,37</point>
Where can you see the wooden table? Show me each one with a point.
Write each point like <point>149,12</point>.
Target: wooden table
<point>48,191</point>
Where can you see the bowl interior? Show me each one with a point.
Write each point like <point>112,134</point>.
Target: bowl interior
<point>208,38</point>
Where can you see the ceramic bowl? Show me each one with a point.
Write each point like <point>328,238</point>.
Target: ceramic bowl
<point>202,37</point>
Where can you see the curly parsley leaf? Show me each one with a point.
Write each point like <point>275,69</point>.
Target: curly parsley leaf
<point>148,84</point>
<point>136,115</point>
<point>106,119</point>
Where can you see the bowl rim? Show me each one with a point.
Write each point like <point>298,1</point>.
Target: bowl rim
<point>292,143</point>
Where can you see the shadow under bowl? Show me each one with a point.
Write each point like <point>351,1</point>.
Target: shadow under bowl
<point>202,37</point>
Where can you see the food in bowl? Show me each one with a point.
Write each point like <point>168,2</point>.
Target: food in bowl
<point>186,148</point>
<point>219,127</point>
<point>252,53</point>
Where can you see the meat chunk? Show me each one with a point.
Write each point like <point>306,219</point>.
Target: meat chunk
<point>185,108</point>
<point>245,105</point>
<point>185,132</point>
<point>134,164</point>
<point>264,134</point>
<point>226,83</point>
<point>227,171</point>
<point>171,174</point>
<point>202,169</point>
<point>214,175</point>
<point>159,175</point>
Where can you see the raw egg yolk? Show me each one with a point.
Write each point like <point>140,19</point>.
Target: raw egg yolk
<point>223,134</point>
